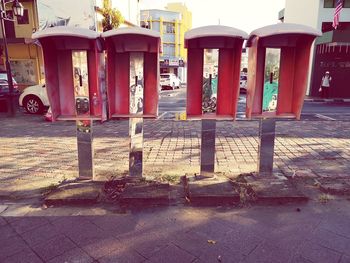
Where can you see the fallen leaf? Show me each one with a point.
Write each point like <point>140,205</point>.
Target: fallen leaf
<point>211,241</point>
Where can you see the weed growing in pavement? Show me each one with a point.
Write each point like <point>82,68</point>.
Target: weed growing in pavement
<point>324,198</point>
<point>247,195</point>
<point>167,178</point>
<point>48,189</point>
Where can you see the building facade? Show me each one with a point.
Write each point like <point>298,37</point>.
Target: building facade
<point>26,59</point>
<point>25,56</point>
<point>172,26</point>
<point>331,51</point>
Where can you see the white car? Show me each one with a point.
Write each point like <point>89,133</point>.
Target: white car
<point>34,99</point>
<point>169,80</point>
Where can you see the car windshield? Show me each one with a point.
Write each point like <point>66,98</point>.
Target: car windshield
<point>3,77</point>
<point>165,76</point>
<point>243,77</point>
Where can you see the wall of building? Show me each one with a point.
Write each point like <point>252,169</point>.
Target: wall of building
<point>172,25</point>
<point>302,12</point>
<point>313,13</point>
<point>185,24</point>
<point>326,15</point>
<point>129,9</point>
<point>25,56</point>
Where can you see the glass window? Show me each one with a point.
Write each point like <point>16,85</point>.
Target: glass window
<point>328,3</point>
<point>168,28</point>
<point>271,79</point>
<point>23,20</point>
<point>210,80</point>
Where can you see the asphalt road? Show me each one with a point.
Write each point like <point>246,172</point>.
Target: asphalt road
<point>174,101</point>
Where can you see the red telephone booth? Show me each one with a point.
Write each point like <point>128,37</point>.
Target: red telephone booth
<point>73,60</point>
<point>132,72</point>
<point>213,71</point>
<point>278,70</point>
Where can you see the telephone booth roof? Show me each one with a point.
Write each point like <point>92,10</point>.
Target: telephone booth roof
<point>66,31</point>
<point>214,31</point>
<point>282,29</point>
<point>131,31</point>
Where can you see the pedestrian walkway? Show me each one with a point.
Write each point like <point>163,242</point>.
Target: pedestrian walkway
<point>319,99</point>
<point>316,232</point>
<point>34,151</point>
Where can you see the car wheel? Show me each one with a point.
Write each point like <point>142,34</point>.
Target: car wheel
<point>33,105</point>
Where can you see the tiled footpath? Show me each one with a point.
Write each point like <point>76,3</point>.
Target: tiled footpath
<point>34,151</point>
<point>36,154</point>
<point>313,232</point>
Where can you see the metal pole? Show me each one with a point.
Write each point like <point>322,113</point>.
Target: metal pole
<point>208,148</point>
<point>266,146</point>
<point>10,99</point>
<point>83,123</point>
<point>85,149</point>
<point>136,98</point>
<point>136,146</point>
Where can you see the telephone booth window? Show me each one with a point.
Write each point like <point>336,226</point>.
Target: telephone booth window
<point>271,79</point>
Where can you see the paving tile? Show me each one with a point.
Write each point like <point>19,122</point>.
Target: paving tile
<point>75,255</point>
<point>345,259</point>
<point>122,255</point>
<point>337,223</point>
<point>299,259</point>
<point>317,253</point>
<point>41,234</point>
<point>219,253</point>
<point>213,229</point>
<point>330,240</point>
<point>101,247</point>
<point>86,234</point>
<point>54,247</point>
<point>3,222</point>
<point>171,253</point>
<point>24,256</point>
<point>191,242</point>
<point>11,246</point>
<point>146,242</point>
<point>6,232</point>
<point>268,253</point>
<point>243,241</point>
<point>25,224</point>
<point>116,224</point>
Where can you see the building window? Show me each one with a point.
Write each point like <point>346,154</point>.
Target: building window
<point>23,20</point>
<point>168,28</point>
<point>332,3</point>
<point>328,3</point>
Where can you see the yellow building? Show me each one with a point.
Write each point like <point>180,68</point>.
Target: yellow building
<point>172,24</point>
<point>25,56</point>
<point>185,24</point>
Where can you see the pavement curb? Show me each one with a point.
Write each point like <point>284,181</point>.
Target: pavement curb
<point>326,100</point>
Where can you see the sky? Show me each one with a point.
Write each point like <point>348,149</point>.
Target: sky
<point>246,15</point>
